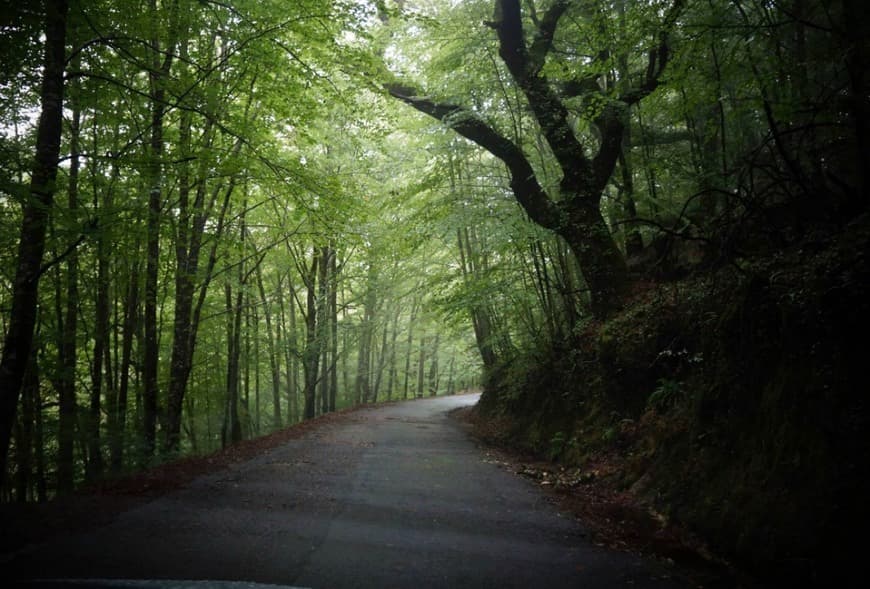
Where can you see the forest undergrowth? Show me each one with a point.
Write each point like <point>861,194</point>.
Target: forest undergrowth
<point>719,418</point>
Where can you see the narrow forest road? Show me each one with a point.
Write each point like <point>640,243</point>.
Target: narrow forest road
<point>387,497</point>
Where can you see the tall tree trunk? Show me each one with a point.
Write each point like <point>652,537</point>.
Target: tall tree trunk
<point>190,426</point>
<point>323,326</point>
<point>101,387</point>
<point>292,357</point>
<point>345,347</point>
<point>39,446</point>
<point>362,367</point>
<point>421,361</point>
<point>272,351</point>
<point>479,317</point>
<point>31,245</point>
<point>234,335</point>
<point>68,348</point>
<point>253,421</point>
<point>231,432</point>
<point>392,372</point>
<point>364,359</point>
<point>333,317</point>
<point>433,367</point>
<point>24,440</point>
<point>129,328</point>
<point>311,355</point>
<point>187,314</point>
<point>255,323</point>
<point>100,364</point>
<point>382,356</point>
<point>409,346</point>
<point>157,76</point>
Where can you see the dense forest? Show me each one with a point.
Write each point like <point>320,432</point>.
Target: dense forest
<point>640,225</point>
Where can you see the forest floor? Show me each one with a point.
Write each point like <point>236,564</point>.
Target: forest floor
<point>615,518</point>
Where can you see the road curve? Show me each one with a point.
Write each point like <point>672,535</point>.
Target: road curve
<point>387,497</point>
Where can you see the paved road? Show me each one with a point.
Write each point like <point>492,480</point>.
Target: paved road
<point>388,497</point>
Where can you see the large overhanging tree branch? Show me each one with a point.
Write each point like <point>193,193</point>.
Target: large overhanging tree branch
<point>528,192</point>
<point>579,223</point>
<point>575,214</point>
<point>525,67</point>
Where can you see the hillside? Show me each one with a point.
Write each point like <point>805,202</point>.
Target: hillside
<point>729,403</point>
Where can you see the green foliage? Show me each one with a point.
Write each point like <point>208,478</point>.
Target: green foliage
<point>609,434</point>
<point>667,395</point>
<point>557,445</point>
<point>561,444</point>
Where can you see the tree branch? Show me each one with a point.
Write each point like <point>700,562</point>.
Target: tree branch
<point>530,195</point>
<point>657,59</point>
<point>549,111</point>
<point>543,41</point>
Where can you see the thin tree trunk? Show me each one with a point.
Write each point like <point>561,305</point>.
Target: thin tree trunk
<point>381,362</point>
<point>100,365</point>
<point>255,320</point>
<point>433,368</point>
<point>345,347</point>
<point>421,360</point>
<point>129,328</point>
<point>363,373</point>
<point>292,355</point>
<point>311,356</point>
<point>333,316</point>
<point>39,441</point>
<point>409,346</point>
<point>272,352</point>
<point>252,427</point>
<point>67,348</point>
<point>323,326</point>
<point>392,372</point>
<point>231,431</point>
<point>24,441</point>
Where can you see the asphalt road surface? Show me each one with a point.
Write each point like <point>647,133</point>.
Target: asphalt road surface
<point>387,497</point>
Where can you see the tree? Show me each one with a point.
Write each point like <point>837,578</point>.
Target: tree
<point>574,212</point>
<point>31,245</point>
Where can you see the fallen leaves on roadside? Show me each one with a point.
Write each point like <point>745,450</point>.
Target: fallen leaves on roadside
<point>615,518</point>
<point>561,478</point>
